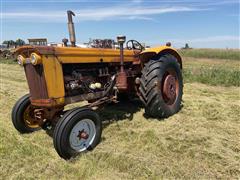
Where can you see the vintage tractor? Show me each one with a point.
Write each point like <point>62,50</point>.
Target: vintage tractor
<point>58,76</point>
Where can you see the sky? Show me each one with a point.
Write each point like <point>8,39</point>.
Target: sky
<point>200,23</point>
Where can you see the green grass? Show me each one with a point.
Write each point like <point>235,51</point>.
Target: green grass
<point>212,71</point>
<point>7,61</point>
<point>199,142</point>
<point>214,76</point>
<point>232,54</point>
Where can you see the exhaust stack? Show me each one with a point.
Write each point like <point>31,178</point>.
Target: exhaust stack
<point>71,28</point>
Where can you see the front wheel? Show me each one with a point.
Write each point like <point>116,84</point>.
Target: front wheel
<point>79,130</point>
<point>161,86</point>
<point>23,116</point>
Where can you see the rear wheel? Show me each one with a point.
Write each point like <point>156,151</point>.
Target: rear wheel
<point>79,130</point>
<point>22,116</point>
<point>161,86</point>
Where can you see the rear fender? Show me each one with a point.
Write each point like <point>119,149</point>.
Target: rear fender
<point>152,53</point>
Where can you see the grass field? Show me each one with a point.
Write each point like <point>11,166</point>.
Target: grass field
<point>202,141</point>
<point>222,72</point>
<point>233,54</point>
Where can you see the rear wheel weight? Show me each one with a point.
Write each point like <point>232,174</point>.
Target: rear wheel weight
<point>161,86</point>
<point>79,130</point>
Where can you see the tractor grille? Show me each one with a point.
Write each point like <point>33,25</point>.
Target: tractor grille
<point>36,81</point>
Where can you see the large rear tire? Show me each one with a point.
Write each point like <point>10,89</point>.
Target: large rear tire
<point>22,116</point>
<point>161,86</point>
<point>79,130</point>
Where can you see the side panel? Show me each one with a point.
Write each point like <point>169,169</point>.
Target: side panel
<point>54,78</point>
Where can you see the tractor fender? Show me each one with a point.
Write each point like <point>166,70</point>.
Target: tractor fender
<point>150,53</point>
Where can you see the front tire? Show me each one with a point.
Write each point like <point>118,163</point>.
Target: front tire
<point>79,130</point>
<point>22,116</point>
<point>161,86</point>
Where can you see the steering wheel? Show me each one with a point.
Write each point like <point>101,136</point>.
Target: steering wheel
<point>134,45</point>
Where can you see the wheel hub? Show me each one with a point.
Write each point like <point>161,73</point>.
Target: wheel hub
<point>82,135</point>
<point>169,87</point>
<point>28,118</point>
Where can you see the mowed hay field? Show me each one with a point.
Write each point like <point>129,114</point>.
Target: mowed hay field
<point>202,141</point>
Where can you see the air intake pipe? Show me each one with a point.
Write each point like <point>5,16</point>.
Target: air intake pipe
<point>71,28</point>
<point>122,75</point>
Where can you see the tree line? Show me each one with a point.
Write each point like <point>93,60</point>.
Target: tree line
<point>10,43</point>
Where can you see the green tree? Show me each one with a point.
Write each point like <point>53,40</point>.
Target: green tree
<point>9,43</point>
<point>6,43</point>
<point>20,42</point>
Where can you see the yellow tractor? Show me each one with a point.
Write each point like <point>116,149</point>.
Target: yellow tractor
<point>58,76</point>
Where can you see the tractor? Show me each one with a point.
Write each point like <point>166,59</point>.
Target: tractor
<point>58,76</point>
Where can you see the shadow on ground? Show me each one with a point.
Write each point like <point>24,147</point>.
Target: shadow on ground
<point>109,113</point>
<point>122,110</point>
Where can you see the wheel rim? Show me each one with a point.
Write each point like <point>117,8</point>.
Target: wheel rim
<point>82,135</point>
<point>170,87</point>
<point>28,118</point>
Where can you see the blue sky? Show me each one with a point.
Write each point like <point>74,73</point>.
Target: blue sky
<point>201,23</point>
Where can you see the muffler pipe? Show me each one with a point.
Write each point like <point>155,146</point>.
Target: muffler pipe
<point>71,28</point>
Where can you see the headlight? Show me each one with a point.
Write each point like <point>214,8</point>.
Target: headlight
<point>35,59</point>
<point>21,60</point>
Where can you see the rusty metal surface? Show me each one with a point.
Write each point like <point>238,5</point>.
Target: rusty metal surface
<point>121,40</point>
<point>42,102</point>
<point>170,87</point>
<point>38,115</point>
<point>42,115</point>
<point>93,96</point>
<point>36,81</point>
<point>51,103</point>
<point>122,81</point>
<point>28,117</point>
<point>52,112</point>
<point>83,97</point>
<point>71,28</point>
<point>27,50</point>
<point>82,135</point>
<point>45,50</point>
<point>103,101</point>
<point>122,76</point>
